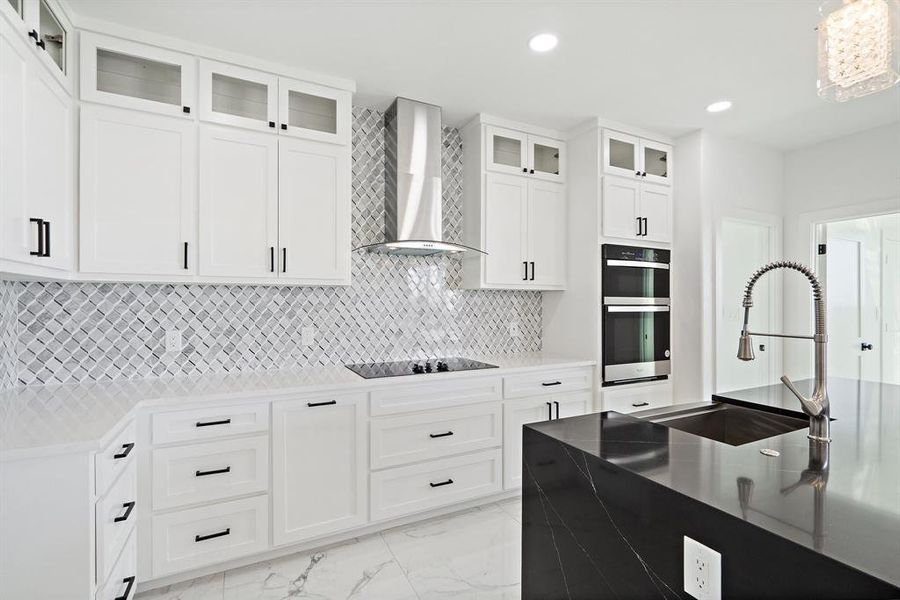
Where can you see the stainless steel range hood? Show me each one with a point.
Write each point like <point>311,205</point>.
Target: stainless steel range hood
<point>412,183</point>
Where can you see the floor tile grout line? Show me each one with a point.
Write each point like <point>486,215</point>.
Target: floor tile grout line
<point>399,564</point>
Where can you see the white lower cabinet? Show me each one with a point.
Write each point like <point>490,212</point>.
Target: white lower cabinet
<point>635,397</point>
<point>122,581</point>
<point>192,538</point>
<point>115,519</point>
<point>415,488</point>
<point>319,466</point>
<point>517,413</point>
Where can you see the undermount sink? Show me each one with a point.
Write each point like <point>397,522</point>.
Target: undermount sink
<point>727,423</point>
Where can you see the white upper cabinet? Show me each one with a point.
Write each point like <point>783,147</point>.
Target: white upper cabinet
<point>313,112</point>
<point>138,193</point>
<point>547,233</point>
<point>518,153</point>
<point>629,156</point>
<point>138,76</point>
<point>320,467</point>
<point>238,203</point>
<point>238,96</point>
<point>635,210</point>
<point>506,222</point>
<point>36,160</point>
<point>314,212</point>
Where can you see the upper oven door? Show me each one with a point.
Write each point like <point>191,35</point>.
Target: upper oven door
<point>635,282</point>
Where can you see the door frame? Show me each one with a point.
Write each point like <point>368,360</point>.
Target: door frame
<point>776,290</point>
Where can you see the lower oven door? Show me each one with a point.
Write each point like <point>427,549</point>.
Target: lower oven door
<point>635,343</point>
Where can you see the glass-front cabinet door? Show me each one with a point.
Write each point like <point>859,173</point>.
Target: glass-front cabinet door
<point>52,36</point>
<point>506,151</point>
<point>657,162</point>
<point>237,96</point>
<point>546,158</point>
<point>131,75</point>
<point>313,112</point>
<point>621,154</point>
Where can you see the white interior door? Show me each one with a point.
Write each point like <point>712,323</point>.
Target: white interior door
<point>238,203</point>
<point>844,297</point>
<point>890,311</point>
<point>744,245</point>
<point>506,221</point>
<point>547,233</point>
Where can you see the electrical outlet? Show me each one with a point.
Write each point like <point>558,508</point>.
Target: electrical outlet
<point>513,330</point>
<point>173,341</point>
<point>307,336</point>
<point>702,571</point>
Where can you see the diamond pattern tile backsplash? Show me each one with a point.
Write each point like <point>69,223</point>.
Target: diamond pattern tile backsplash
<point>397,307</point>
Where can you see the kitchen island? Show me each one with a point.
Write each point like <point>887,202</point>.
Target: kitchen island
<point>608,499</point>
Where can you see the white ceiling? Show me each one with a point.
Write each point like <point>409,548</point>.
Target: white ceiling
<point>650,63</point>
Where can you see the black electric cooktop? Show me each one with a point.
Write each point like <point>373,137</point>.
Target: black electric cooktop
<point>417,367</point>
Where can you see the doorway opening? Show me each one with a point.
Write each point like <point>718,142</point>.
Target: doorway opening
<point>859,263</point>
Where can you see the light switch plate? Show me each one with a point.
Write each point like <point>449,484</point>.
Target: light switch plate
<point>702,571</point>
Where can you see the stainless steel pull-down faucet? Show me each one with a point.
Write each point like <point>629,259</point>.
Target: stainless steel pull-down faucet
<point>816,406</point>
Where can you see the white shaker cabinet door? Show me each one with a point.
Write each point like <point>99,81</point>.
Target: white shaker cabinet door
<point>238,202</point>
<point>620,212</point>
<point>138,193</point>
<point>547,233</point>
<point>656,208</point>
<point>320,467</point>
<point>505,229</point>
<point>517,413</point>
<point>314,212</point>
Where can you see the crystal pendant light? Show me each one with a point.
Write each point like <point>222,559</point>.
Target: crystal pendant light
<point>859,47</point>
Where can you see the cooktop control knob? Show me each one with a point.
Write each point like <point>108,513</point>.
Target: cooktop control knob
<point>428,367</point>
<point>417,368</point>
<point>442,366</point>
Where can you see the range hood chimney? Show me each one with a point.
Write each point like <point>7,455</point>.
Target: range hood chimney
<point>412,183</point>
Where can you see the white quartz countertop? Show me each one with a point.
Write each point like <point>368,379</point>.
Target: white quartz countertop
<point>45,420</point>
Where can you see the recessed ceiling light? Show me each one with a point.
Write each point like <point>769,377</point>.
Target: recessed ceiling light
<point>719,106</point>
<point>543,42</point>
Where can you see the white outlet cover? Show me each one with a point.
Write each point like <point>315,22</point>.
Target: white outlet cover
<point>702,571</point>
<point>174,343</point>
<point>307,336</point>
<point>514,330</point>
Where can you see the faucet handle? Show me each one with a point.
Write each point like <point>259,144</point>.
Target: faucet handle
<point>810,407</point>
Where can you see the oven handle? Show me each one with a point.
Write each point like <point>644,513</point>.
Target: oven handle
<point>636,309</point>
<point>637,264</point>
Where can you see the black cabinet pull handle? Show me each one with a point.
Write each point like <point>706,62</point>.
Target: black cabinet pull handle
<point>271,259</point>
<point>638,219</point>
<point>129,583</point>
<point>126,450</point>
<point>186,110</point>
<point>40,231</point>
<point>211,423</point>
<point>532,270</point>
<point>284,260</point>
<point>440,435</point>
<point>46,253</point>
<point>33,34</point>
<point>645,225</point>
<point>640,404</point>
<point>203,538</point>
<point>865,346</point>
<point>326,403</point>
<point>531,171</point>
<point>556,404</point>
<point>185,255</point>
<point>128,506</point>
<point>549,411</point>
<point>213,472</point>
<point>524,169</point>
<point>525,262</point>
<point>40,44</point>
<point>440,483</point>
<point>551,383</point>
<point>272,124</point>
<point>284,126</point>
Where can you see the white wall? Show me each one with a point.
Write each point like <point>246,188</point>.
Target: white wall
<point>856,175</point>
<point>717,177</point>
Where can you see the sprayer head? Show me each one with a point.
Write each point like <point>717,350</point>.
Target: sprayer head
<point>745,347</point>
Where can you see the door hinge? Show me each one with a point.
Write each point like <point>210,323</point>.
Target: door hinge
<point>821,248</point>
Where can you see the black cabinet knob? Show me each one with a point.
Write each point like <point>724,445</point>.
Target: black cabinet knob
<point>284,126</point>
<point>40,44</point>
<point>272,124</point>
<point>864,346</point>
<point>524,169</point>
<point>33,34</point>
<point>186,110</point>
<point>531,171</point>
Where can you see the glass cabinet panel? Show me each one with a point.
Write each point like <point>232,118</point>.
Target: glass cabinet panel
<point>17,6</point>
<point>53,36</point>
<point>315,113</point>
<point>138,77</point>
<point>546,159</point>
<point>239,97</point>
<point>621,154</point>
<point>506,151</point>
<point>657,162</point>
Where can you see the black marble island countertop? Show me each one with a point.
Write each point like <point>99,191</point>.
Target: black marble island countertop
<point>848,512</point>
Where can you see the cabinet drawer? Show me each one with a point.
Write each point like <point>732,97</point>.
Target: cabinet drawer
<point>113,459</point>
<point>116,515</point>
<point>625,400</point>
<point>209,423</point>
<point>188,539</point>
<point>439,394</point>
<point>434,434</point>
<point>555,381</point>
<point>405,490</point>
<point>122,582</point>
<point>212,471</point>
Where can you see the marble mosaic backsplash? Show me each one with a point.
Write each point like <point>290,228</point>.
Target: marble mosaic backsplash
<point>397,307</point>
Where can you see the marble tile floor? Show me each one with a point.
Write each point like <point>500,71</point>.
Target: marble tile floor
<point>470,554</point>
